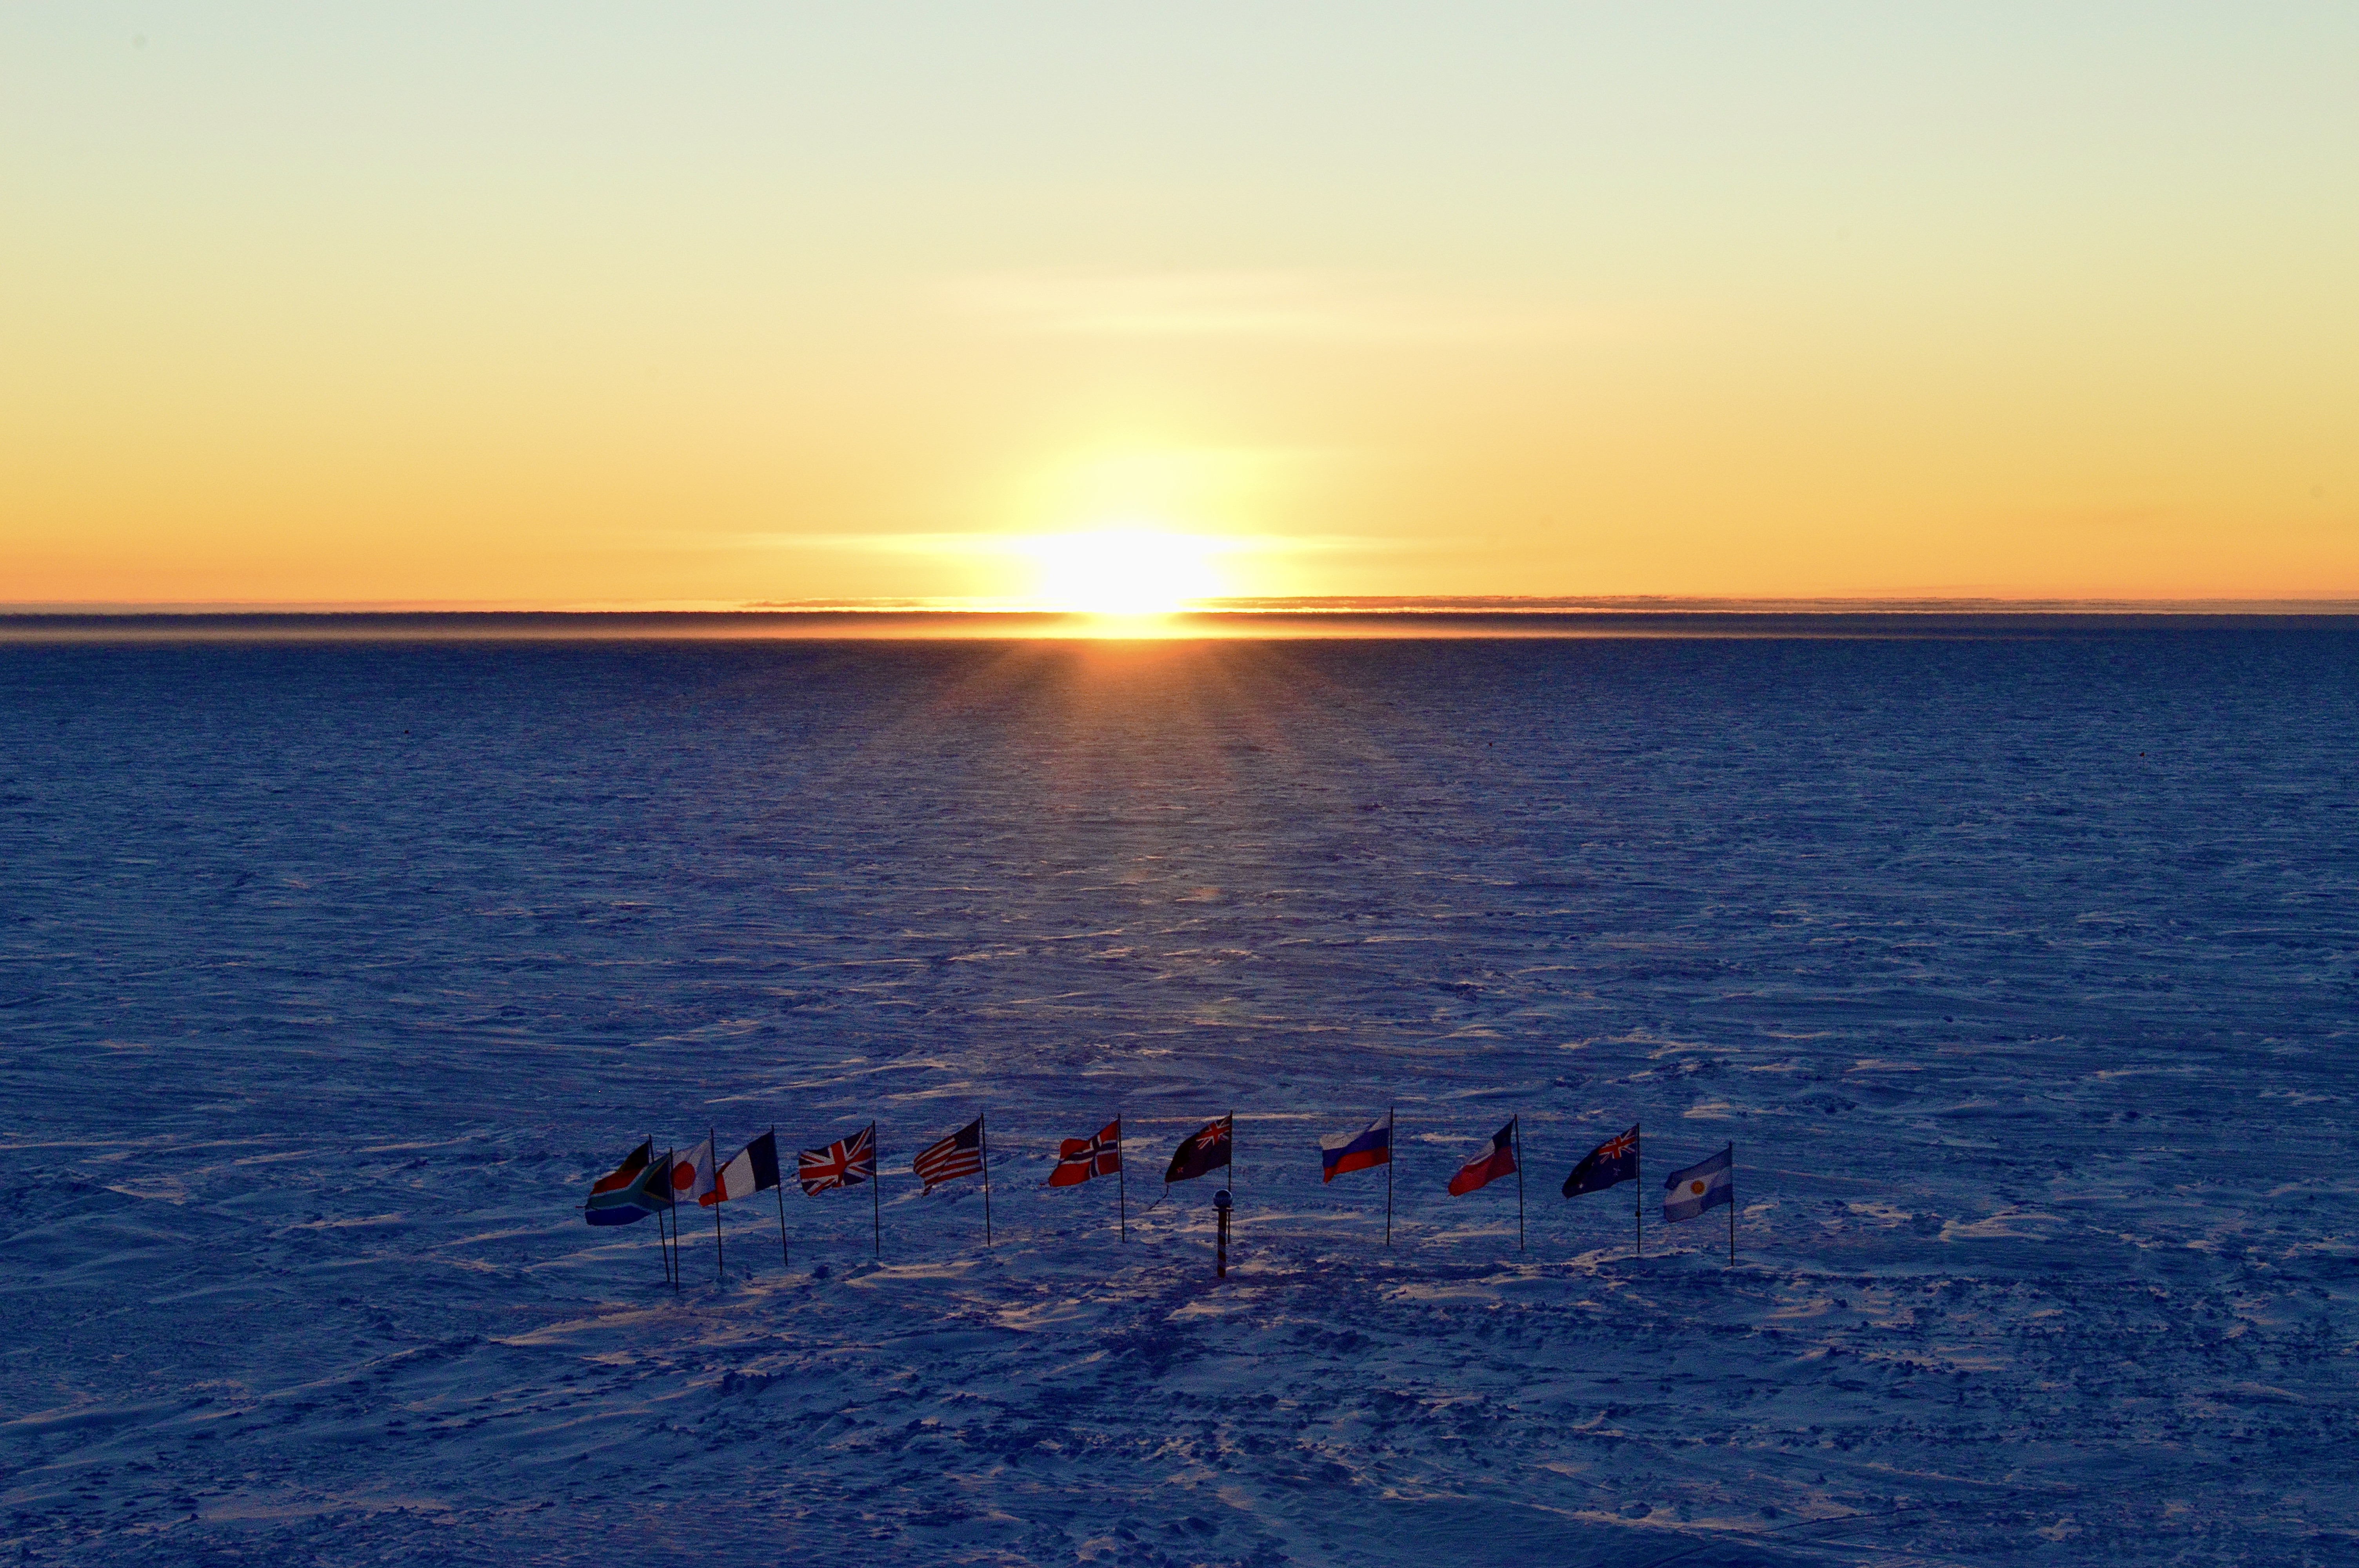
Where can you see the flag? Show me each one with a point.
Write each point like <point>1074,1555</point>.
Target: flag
<point>1611,1162</point>
<point>620,1176</point>
<point>960,1155</point>
<point>1707,1183</point>
<point>1486,1168</point>
<point>754,1169</point>
<point>1201,1151</point>
<point>647,1193</point>
<point>1078,1159</point>
<point>845,1162</point>
<point>691,1172</point>
<point>1348,1151</point>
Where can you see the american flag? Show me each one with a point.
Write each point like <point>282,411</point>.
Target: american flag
<point>1078,1159</point>
<point>960,1155</point>
<point>842,1163</point>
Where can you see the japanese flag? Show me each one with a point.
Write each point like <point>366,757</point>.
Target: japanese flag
<point>691,1174</point>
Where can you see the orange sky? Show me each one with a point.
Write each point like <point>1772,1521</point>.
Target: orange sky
<point>580,305</point>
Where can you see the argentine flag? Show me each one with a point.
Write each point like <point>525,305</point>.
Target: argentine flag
<point>1708,1184</point>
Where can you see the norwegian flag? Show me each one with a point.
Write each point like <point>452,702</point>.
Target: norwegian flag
<point>1078,1159</point>
<point>845,1162</point>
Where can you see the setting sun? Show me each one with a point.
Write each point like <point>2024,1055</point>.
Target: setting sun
<point>1125,571</point>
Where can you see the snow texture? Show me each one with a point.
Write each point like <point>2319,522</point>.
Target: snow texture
<point>2018,966</point>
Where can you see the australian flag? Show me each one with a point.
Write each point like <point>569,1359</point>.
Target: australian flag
<point>1611,1162</point>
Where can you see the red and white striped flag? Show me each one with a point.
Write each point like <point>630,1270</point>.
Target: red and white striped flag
<point>960,1155</point>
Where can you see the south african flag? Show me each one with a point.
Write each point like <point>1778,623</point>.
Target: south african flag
<point>632,1190</point>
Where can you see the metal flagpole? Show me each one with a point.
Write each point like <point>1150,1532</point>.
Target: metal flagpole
<point>1638,1198</point>
<point>1121,1179</point>
<point>641,1180</point>
<point>784,1263</point>
<point>1516,1128</point>
<point>876,1198</point>
<point>670,1210</point>
<point>720,1264</point>
<point>1732,1206</point>
<point>982,1134</point>
<point>1389,1118</point>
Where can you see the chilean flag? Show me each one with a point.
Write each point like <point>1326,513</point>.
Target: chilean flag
<point>1348,1151</point>
<point>1486,1168</point>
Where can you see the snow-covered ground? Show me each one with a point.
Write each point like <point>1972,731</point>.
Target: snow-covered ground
<point>2021,971</point>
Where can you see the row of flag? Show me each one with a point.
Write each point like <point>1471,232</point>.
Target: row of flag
<point>646,1184</point>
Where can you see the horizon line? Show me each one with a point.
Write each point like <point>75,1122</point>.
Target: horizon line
<point>1239,605</point>
<point>1392,618</point>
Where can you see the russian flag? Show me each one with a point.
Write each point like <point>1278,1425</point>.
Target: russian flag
<point>1348,1151</point>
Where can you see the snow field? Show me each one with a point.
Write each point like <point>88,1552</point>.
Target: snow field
<point>2034,1052</point>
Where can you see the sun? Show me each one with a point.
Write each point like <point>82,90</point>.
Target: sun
<point>1124,571</point>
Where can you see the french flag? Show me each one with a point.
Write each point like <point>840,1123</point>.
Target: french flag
<point>1345,1152</point>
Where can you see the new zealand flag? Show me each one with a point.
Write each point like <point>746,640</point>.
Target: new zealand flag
<point>1613,1161</point>
<point>1201,1151</point>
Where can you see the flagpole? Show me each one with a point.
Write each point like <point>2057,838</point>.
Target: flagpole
<point>642,1180</point>
<point>720,1264</point>
<point>875,1197</point>
<point>1516,1126</point>
<point>786,1265</point>
<point>1732,1206</point>
<point>1390,1116</point>
<point>670,1251</point>
<point>983,1133</point>
<point>1120,1180</point>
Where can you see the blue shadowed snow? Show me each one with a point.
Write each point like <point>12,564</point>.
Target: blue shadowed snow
<point>2019,969</point>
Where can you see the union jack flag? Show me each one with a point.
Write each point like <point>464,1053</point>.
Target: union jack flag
<point>1078,1159</point>
<point>1612,1162</point>
<point>845,1162</point>
<point>960,1155</point>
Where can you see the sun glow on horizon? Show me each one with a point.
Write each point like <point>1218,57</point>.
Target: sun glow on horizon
<point>1125,571</point>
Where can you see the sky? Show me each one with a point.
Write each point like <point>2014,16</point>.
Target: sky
<point>595,305</point>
